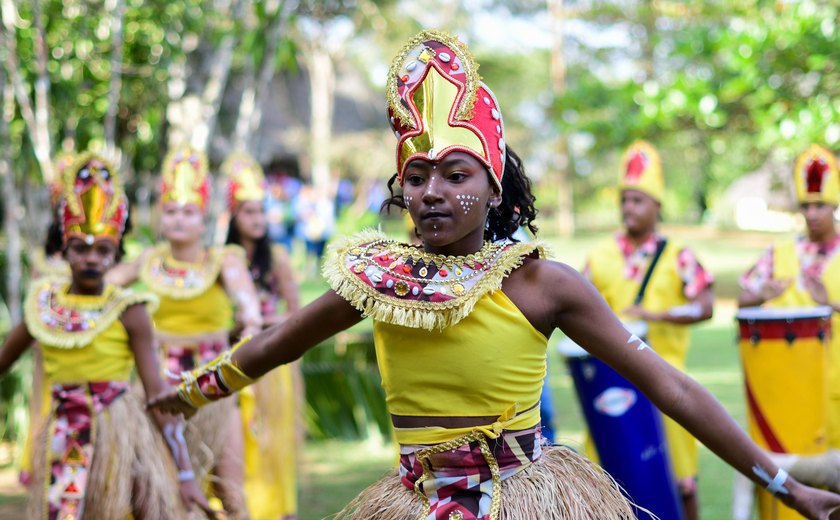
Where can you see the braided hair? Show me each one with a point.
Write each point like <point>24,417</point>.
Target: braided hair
<point>516,209</point>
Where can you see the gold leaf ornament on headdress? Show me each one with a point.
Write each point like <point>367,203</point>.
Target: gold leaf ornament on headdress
<point>185,177</point>
<point>437,104</point>
<point>245,179</point>
<point>95,205</point>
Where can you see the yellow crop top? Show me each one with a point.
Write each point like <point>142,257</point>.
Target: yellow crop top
<point>82,337</point>
<point>192,301</point>
<point>449,342</point>
<point>484,364</point>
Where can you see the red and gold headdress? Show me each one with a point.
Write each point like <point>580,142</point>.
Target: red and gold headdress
<point>245,179</point>
<point>816,176</point>
<point>185,178</point>
<point>94,205</point>
<point>642,170</point>
<point>437,104</point>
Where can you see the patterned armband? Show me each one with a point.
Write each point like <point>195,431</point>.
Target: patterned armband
<point>213,381</point>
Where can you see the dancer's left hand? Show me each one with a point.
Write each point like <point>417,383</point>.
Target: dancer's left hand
<point>170,403</point>
<point>192,496</point>
<point>813,503</point>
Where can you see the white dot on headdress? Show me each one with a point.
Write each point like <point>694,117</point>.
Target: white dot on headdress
<point>393,122</point>
<point>495,114</point>
<point>498,129</point>
<point>444,57</point>
<point>487,101</point>
<point>501,144</point>
<point>432,154</point>
<point>397,134</point>
<point>411,65</point>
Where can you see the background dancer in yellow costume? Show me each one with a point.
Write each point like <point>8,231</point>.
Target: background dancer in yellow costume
<point>197,287</point>
<point>271,414</point>
<point>805,272</point>
<point>461,326</point>
<point>679,292</point>
<point>99,455</point>
<point>45,263</point>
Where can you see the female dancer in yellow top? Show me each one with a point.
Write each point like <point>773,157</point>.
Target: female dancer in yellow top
<point>461,326</point>
<point>99,455</point>
<point>197,286</point>
<point>271,413</point>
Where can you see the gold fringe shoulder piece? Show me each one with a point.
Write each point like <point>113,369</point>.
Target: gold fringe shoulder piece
<point>178,280</point>
<point>62,320</point>
<point>401,284</point>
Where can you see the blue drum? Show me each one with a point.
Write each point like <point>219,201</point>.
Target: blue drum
<point>627,431</point>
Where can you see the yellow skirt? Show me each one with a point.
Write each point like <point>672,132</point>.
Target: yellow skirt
<point>272,434</point>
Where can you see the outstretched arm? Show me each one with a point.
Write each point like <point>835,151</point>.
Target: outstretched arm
<point>126,273</point>
<point>585,317</point>
<point>137,324</point>
<point>273,347</point>
<point>16,344</point>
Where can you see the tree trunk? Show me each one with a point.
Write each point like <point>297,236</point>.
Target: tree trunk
<point>248,124</point>
<point>11,206</point>
<point>37,119</point>
<point>321,88</point>
<point>211,99</point>
<point>42,95</point>
<point>565,200</point>
<point>117,10</point>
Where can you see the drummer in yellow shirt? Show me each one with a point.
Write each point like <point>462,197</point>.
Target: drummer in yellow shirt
<point>805,271</point>
<point>679,291</point>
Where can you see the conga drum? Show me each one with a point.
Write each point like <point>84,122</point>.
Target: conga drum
<point>626,429</point>
<point>784,353</point>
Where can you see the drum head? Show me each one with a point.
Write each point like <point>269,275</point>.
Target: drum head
<point>782,313</point>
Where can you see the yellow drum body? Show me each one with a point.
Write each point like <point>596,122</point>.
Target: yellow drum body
<point>784,353</point>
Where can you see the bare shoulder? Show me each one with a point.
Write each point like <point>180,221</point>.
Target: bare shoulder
<point>541,289</point>
<point>233,256</point>
<point>135,317</point>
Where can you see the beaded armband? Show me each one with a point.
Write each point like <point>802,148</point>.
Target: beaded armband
<point>213,381</point>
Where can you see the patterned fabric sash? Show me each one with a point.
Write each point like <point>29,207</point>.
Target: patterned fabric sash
<point>184,356</point>
<point>461,479</point>
<point>71,443</point>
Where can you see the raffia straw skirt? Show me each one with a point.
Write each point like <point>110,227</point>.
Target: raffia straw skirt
<point>131,471</point>
<point>560,485</point>
<point>207,434</point>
